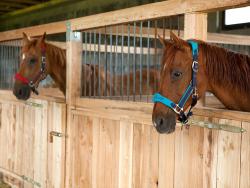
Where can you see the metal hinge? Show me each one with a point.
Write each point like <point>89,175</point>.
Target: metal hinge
<point>33,104</point>
<point>30,180</point>
<point>57,134</point>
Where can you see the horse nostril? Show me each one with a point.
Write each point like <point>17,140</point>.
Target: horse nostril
<point>20,92</point>
<point>159,122</point>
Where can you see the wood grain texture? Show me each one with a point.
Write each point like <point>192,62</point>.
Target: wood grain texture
<point>245,156</point>
<point>189,157</point>
<point>228,165</point>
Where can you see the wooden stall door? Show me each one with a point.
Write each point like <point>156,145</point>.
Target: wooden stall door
<point>27,157</point>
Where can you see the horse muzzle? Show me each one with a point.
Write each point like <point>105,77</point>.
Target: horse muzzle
<point>22,92</point>
<point>164,123</point>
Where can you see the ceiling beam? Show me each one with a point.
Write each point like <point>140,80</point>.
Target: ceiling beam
<point>29,2</point>
<point>14,5</point>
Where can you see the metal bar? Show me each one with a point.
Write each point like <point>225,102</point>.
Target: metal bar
<point>106,60</point>
<point>122,87</point>
<point>128,62</point>
<point>99,61</point>
<point>85,61</point>
<point>148,55</point>
<point>94,64</point>
<point>170,24</point>
<point>12,65</point>
<point>90,62</point>
<point>155,55</point>
<point>140,60</point>
<point>1,63</point>
<point>116,59</point>
<point>110,63</point>
<point>134,62</point>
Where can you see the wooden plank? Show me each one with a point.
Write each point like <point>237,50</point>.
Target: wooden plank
<point>189,157</point>
<point>245,156</point>
<point>166,160</point>
<point>56,121</point>
<point>154,10</point>
<point>70,148</point>
<point>195,26</point>
<point>28,145</point>
<point>51,28</point>
<point>73,73</point>
<point>125,154</point>
<point>210,149</point>
<point>228,167</point>
<point>83,156</point>
<point>40,144</point>
<point>108,158</point>
<point>222,114</point>
<point>228,39</point>
<point>96,150</point>
<point>143,111</point>
<point>49,94</point>
<point>145,156</point>
<point>19,138</point>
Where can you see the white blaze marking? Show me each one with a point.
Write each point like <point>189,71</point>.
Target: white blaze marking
<point>23,56</point>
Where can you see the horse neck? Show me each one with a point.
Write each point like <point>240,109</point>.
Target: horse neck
<point>227,75</point>
<point>56,57</point>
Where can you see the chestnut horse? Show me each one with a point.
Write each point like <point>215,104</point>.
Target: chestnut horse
<point>40,59</point>
<point>221,72</point>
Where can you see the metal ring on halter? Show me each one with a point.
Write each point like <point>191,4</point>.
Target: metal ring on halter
<point>195,66</point>
<point>177,109</point>
<point>31,84</point>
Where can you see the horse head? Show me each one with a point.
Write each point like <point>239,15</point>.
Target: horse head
<point>175,82</point>
<point>33,67</point>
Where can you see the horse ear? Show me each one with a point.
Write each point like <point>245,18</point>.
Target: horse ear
<point>178,42</point>
<point>164,42</point>
<point>25,38</point>
<point>174,38</point>
<point>42,39</point>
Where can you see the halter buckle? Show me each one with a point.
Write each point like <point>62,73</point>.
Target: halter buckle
<point>31,84</point>
<point>177,109</point>
<point>43,59</point>
<point>195,66</point>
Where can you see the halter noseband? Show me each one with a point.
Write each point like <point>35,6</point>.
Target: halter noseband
<point>40,76</point>
<point>191,90</point>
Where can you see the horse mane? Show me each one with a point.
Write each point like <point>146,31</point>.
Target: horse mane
<point>226,68</point>
<point>57,53</point>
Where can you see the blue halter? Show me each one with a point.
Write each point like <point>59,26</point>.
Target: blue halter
<point>191,90</point>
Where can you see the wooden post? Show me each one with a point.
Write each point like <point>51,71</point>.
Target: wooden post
<point>195,26</point>
<point>74,60</point>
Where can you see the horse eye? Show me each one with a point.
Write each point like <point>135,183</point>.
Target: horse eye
<point>176,74</point>
<point>32,61</point>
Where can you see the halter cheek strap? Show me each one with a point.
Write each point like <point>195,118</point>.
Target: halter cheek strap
<point>40,76</point>
<point>190,90</point>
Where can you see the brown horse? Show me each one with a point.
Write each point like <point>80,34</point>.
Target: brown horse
<point>35,50</point>
<point>33,54</point>
<point>221,72</point>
